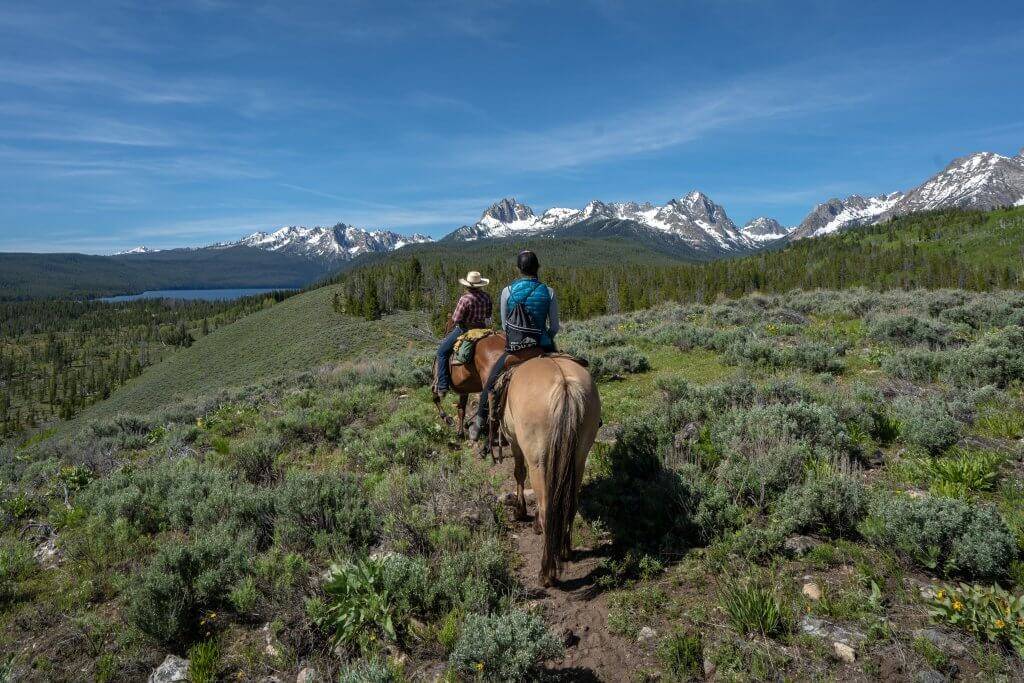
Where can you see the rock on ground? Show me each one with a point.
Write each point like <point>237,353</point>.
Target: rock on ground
<point>309,675</point>
<point>812,591</point>
<point>825,629</point>
<point>943,641</point>
<point>844,653</point>
<point>798,546</point>
<point>646,635</point>
<point>174,669</point>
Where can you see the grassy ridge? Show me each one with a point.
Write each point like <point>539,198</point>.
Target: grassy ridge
<point>298,334</point>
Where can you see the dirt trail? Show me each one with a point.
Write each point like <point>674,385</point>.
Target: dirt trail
<point>577,611</point>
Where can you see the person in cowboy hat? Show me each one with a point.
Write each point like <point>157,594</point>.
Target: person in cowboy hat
<point>472,311</point>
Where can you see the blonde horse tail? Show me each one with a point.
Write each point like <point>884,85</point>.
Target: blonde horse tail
<point>561,478</point>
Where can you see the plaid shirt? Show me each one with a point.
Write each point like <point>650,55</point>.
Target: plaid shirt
<point>473,310</point>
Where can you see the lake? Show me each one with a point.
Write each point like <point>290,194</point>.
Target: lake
<point>195,294</point>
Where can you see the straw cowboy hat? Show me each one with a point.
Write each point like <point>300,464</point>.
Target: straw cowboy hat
<point>473,279</point>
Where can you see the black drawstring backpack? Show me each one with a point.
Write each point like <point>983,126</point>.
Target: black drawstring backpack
<point>521,331</point>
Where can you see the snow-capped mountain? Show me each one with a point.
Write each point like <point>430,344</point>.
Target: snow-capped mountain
<point>337,243</point>
<point>764,229</point>
<point>840,214</point>
<point>137,250</point>
<point>983,180</point>
<point>693,219</point>
<point>978,181</point>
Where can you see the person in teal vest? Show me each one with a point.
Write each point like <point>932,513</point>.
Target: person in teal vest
<point>540,300</point>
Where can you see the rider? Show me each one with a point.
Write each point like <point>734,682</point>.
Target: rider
<point>540,301</point>
<point>472,311</point>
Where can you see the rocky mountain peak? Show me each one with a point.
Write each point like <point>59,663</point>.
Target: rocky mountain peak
<point>508,210</point>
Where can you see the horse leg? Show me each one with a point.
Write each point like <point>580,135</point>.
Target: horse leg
<point>537,480</point>
<point>463,399</point>
<point>520,474</point>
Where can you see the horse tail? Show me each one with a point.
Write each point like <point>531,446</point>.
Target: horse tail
<point>561,479</point>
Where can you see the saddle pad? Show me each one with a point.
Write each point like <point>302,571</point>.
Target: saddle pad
<point>463,351</point>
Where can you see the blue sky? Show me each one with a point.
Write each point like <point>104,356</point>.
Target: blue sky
<point>189,122</point>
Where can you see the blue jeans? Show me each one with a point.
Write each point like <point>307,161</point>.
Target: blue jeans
<point>444,352</point>
<point>483,410</point>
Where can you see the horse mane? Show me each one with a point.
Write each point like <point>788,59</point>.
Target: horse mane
<point>560,475</point>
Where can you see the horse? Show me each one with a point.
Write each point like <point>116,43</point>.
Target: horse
<point>551,417</point>
<point>469,378</point>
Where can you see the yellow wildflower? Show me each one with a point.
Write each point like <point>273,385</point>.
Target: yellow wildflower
<point>941,594</point>
<point>479,666</point>
<point>957,605</point>
<point>1000,623</point>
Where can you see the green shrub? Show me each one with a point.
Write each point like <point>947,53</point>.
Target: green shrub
<point>765,447</point>
<point>942,534</point>
<point>927,424</point>
<point>450,628</point>
<point>996,358</point>
<point>474,579</point>
<point>176,495</point>
<point>324,509</point>
<point>256,459</point>
<point>183,579</point>
<point>682,657</point>
<point>815,357</point>
<point>988,612</point>
<point>204,662</point>
<point>374,671</point>
<point>617,361</point>
<point>16,565</point>
<point>909,330</point>
<point>831,504</point>
<point>244,596</point>
<point>915,365</point>
<point>510,646</point>
<point>754,610</point>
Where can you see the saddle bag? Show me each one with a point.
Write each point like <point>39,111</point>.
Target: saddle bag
<point>521,330</point>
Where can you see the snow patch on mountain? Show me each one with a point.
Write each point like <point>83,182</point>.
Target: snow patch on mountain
<point>137,250</point>
<point>336,243</point>
<point>764,229</point>
<point>858,210</point>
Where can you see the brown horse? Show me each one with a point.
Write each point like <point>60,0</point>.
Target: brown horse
<point>551,419</point>
<point>469,378</point>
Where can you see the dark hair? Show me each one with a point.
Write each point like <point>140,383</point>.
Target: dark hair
<point>527,263</point>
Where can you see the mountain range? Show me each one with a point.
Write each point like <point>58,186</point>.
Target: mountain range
<point>690,226</point>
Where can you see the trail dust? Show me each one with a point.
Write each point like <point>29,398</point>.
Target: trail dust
<point>576,611</point>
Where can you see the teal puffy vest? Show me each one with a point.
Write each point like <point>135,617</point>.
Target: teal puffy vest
<point>538,303</point>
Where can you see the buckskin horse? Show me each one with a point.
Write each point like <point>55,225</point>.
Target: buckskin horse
<point>551,415</point>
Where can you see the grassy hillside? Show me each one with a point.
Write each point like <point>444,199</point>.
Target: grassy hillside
<point>298,334</point>
<point>787,488</point>
<point>74,276</point>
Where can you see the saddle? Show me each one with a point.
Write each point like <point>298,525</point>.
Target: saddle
<point>465,345</point>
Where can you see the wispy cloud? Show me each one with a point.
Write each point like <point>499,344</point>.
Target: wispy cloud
<point>652,128</point>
